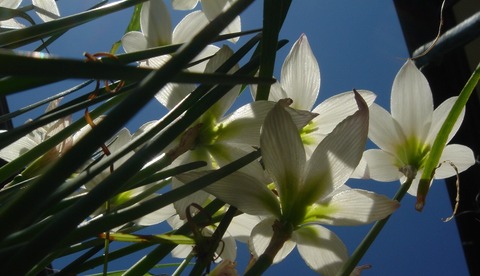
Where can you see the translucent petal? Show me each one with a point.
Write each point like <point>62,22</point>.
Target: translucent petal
<point>321,249</point>
<point>212,8</point>
<point>155,23</point>
<point>134,42</point>
<point>337,156</point>
<point>457,155</point>
<point>411,101</point>
<point>439,116</point>
<point>221,107</point>
<point>243,125</point>
<point>260,238</point>
<point>300,76</point>
<point>181,205</point>
<point>47,10</point>
<point>11,4</point>
<point>19,147</point>
<point>189,26</point>
<point>242,225</point>
<point>157,216</point>
<point>355,207</point>
<point>184,4</point>
<point>242,191</point>
<point>384,131</point>
<point>381,166</point>
<point>335,109</point>
<point>283,153</point>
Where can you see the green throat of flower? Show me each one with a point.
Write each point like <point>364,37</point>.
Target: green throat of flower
<point>307,139</point>
<point>412,153</point>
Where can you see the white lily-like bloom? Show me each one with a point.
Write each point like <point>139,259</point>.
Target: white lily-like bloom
<point>156,30</point>
<point>310,191</point>
<point>210,10</point>
<point>36,137</point>
<point>47,10</point>
<point>406,135</point>
<point>222,139</point>
<point>300,81</point>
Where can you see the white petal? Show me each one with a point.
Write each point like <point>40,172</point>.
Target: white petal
<point>184,205</point>
<point>134,42</point>
<point>337,156</point>
<point>354,207</point>
<point>11,24</point>
<point>381,166</point>
<point>283,153</point>
<point>157,216</point>
<point>260,238</point>
<point>242,191</point>
<point>11,4</point>
<point>189,26</point>
<point>155,23</point>
<point>457,155</point>
<point>47,10</point>
<point>384,131</point>
<point>19,147</point>
<point>411,101</point>
<point>300,76</point>
<point>184,4</point>
<point>335,109</point>
<point>221,107</point>
<point>439,116</point>
<point>321,249</point>
<point>212,8</point>
<point>243,125</point>
<point>241,226</point>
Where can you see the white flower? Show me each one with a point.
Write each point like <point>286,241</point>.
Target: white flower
<point>210,10</point>
<point>39,135</point>
<point>47,10</point>
<point>406,136</point>
<point>300,81</point>
<point>310,191</point>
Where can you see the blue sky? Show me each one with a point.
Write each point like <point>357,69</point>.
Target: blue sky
<point>358,44</point>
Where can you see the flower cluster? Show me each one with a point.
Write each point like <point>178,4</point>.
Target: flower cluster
<point>286,196</point>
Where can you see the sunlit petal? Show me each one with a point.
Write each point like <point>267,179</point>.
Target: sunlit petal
<point>337,156</point>
<point>283,153</point>
<point>189,26</point>
<point>242,191</point>
<point>411,101</point>
<point>300,76</point>
<point>155,23</point>
<point>384,130</point>
<point>335,109</point>
<point>454,155</point>
<point>260,238</point>
<point>439,115</point>
<point>47,10</point>
<point>381,166</point>
<point>355,207</point>
<point>243,125</point>
<point>184,4</point>
<point>134,42</point>
<point>321,249</point>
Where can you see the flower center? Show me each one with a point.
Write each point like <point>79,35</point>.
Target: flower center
<point>412,154</point>
<point>305,133</point>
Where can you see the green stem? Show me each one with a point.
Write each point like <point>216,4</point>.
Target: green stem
<point>357,255</point>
